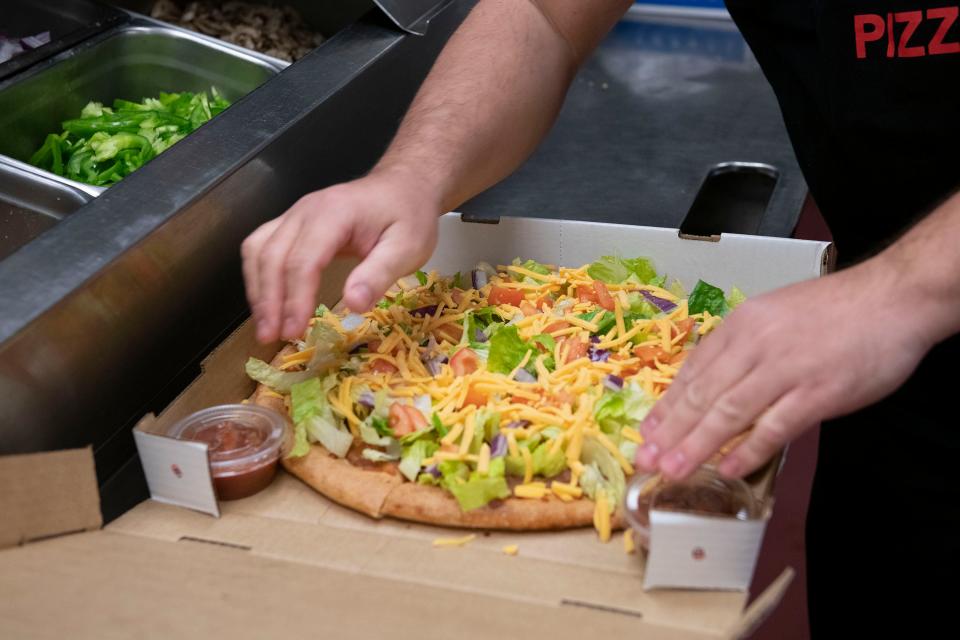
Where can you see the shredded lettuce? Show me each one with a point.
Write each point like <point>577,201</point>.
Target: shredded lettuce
<point>336,441</point>
<point>677,289</point>
<point>514,465</point>
<point>590,480</point>
<point>413,456</point>
<point>279,381</point>
<point>530,265</point>
<point>625,408</point>
<point>372,436</point>
<point>301,446</point>
<point>547,464</point>
<point>438,425</point>
<point>309,398</point>
<point>507,350</point>
<point>546,340</point>
<point>736,298</point>
<point>478,491</point>
<point>375,455</point>
<point>328,351</point>
<point>614,269</point>
<point>313,419</point>
<point>486,426</point>
<point>614,480</point>
<point>497,468</point>
<point>641,308</point>
<point>706,297</point>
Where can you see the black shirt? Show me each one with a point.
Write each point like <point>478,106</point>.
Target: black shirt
<point>870,93</point>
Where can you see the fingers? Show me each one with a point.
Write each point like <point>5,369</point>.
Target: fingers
<point>732,412</point>
<point>250,254</point>
<point>270,262</point>
<point>401,249</point>
<point>312,250</point>
<point>786,419</point>
<point>688,401</point>
<point>707,354</point>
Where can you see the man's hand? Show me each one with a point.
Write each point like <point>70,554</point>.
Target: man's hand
<point>382,218</point>
<point>784,362</point>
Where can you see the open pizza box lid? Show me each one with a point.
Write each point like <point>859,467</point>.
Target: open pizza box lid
<point>289,561</point>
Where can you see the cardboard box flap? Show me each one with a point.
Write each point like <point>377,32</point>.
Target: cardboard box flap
<point>47,494</point>
<point>569,569</point>
<point>762,606</point>
<point>752,263</point>
<point>163,589</point>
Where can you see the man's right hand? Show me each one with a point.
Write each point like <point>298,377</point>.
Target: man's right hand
<point>382,218</point>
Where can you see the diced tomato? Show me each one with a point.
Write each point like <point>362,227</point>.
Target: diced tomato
<point>574,348</point>
<point>456,295</point>
<point>464,362</point>
<point>451,332</point>
<point>683,328</point>
<point>603,295</point>
<point>399,420</point>
<point>503,295</point>
<point>373,345</point>
<point>475,397</point>
<point>556,326</point>
<point>626,371</point>
<point>415,417</point>
<point>648,353</point>
<point>382,366</point>
<point>544,301</point>
<point>587,294</point>
<point>527,308</point>
<point>561,398</point>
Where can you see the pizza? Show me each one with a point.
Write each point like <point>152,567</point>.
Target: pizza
<point>504,398</point>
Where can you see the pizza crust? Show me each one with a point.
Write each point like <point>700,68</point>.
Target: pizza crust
<point>380,491</point>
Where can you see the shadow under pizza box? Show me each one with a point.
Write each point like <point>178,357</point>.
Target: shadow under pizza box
<point>325,569</point>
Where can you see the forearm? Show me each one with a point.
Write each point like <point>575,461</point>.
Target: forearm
<point>925,265</point>
<point>493,94</point>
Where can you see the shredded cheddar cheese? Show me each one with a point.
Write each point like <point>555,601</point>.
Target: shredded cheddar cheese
<point>454,542</point>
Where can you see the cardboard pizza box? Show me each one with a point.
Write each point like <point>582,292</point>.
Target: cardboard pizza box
<point>288,561</point>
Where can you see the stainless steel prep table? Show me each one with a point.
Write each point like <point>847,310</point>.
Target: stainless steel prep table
<point>106,316</point>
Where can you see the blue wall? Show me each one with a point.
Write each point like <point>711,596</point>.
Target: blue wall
<point>702,4</point>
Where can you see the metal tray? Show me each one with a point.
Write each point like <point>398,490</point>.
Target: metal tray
<point>31,204</point>
<point>130,62</point>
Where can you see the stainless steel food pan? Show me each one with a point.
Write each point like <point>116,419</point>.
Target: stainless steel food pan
<point>30,204</point>
<point>131,62</point>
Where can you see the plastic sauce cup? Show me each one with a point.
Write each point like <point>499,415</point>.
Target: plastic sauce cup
<point>243,446</point>
<point>705,493</point>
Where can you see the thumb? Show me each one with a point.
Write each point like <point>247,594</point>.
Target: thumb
<point>402,248</point>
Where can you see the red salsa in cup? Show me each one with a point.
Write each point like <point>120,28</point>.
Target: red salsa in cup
<point>243,446</point>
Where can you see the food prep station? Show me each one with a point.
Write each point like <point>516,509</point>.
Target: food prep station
<point>111,297</point>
